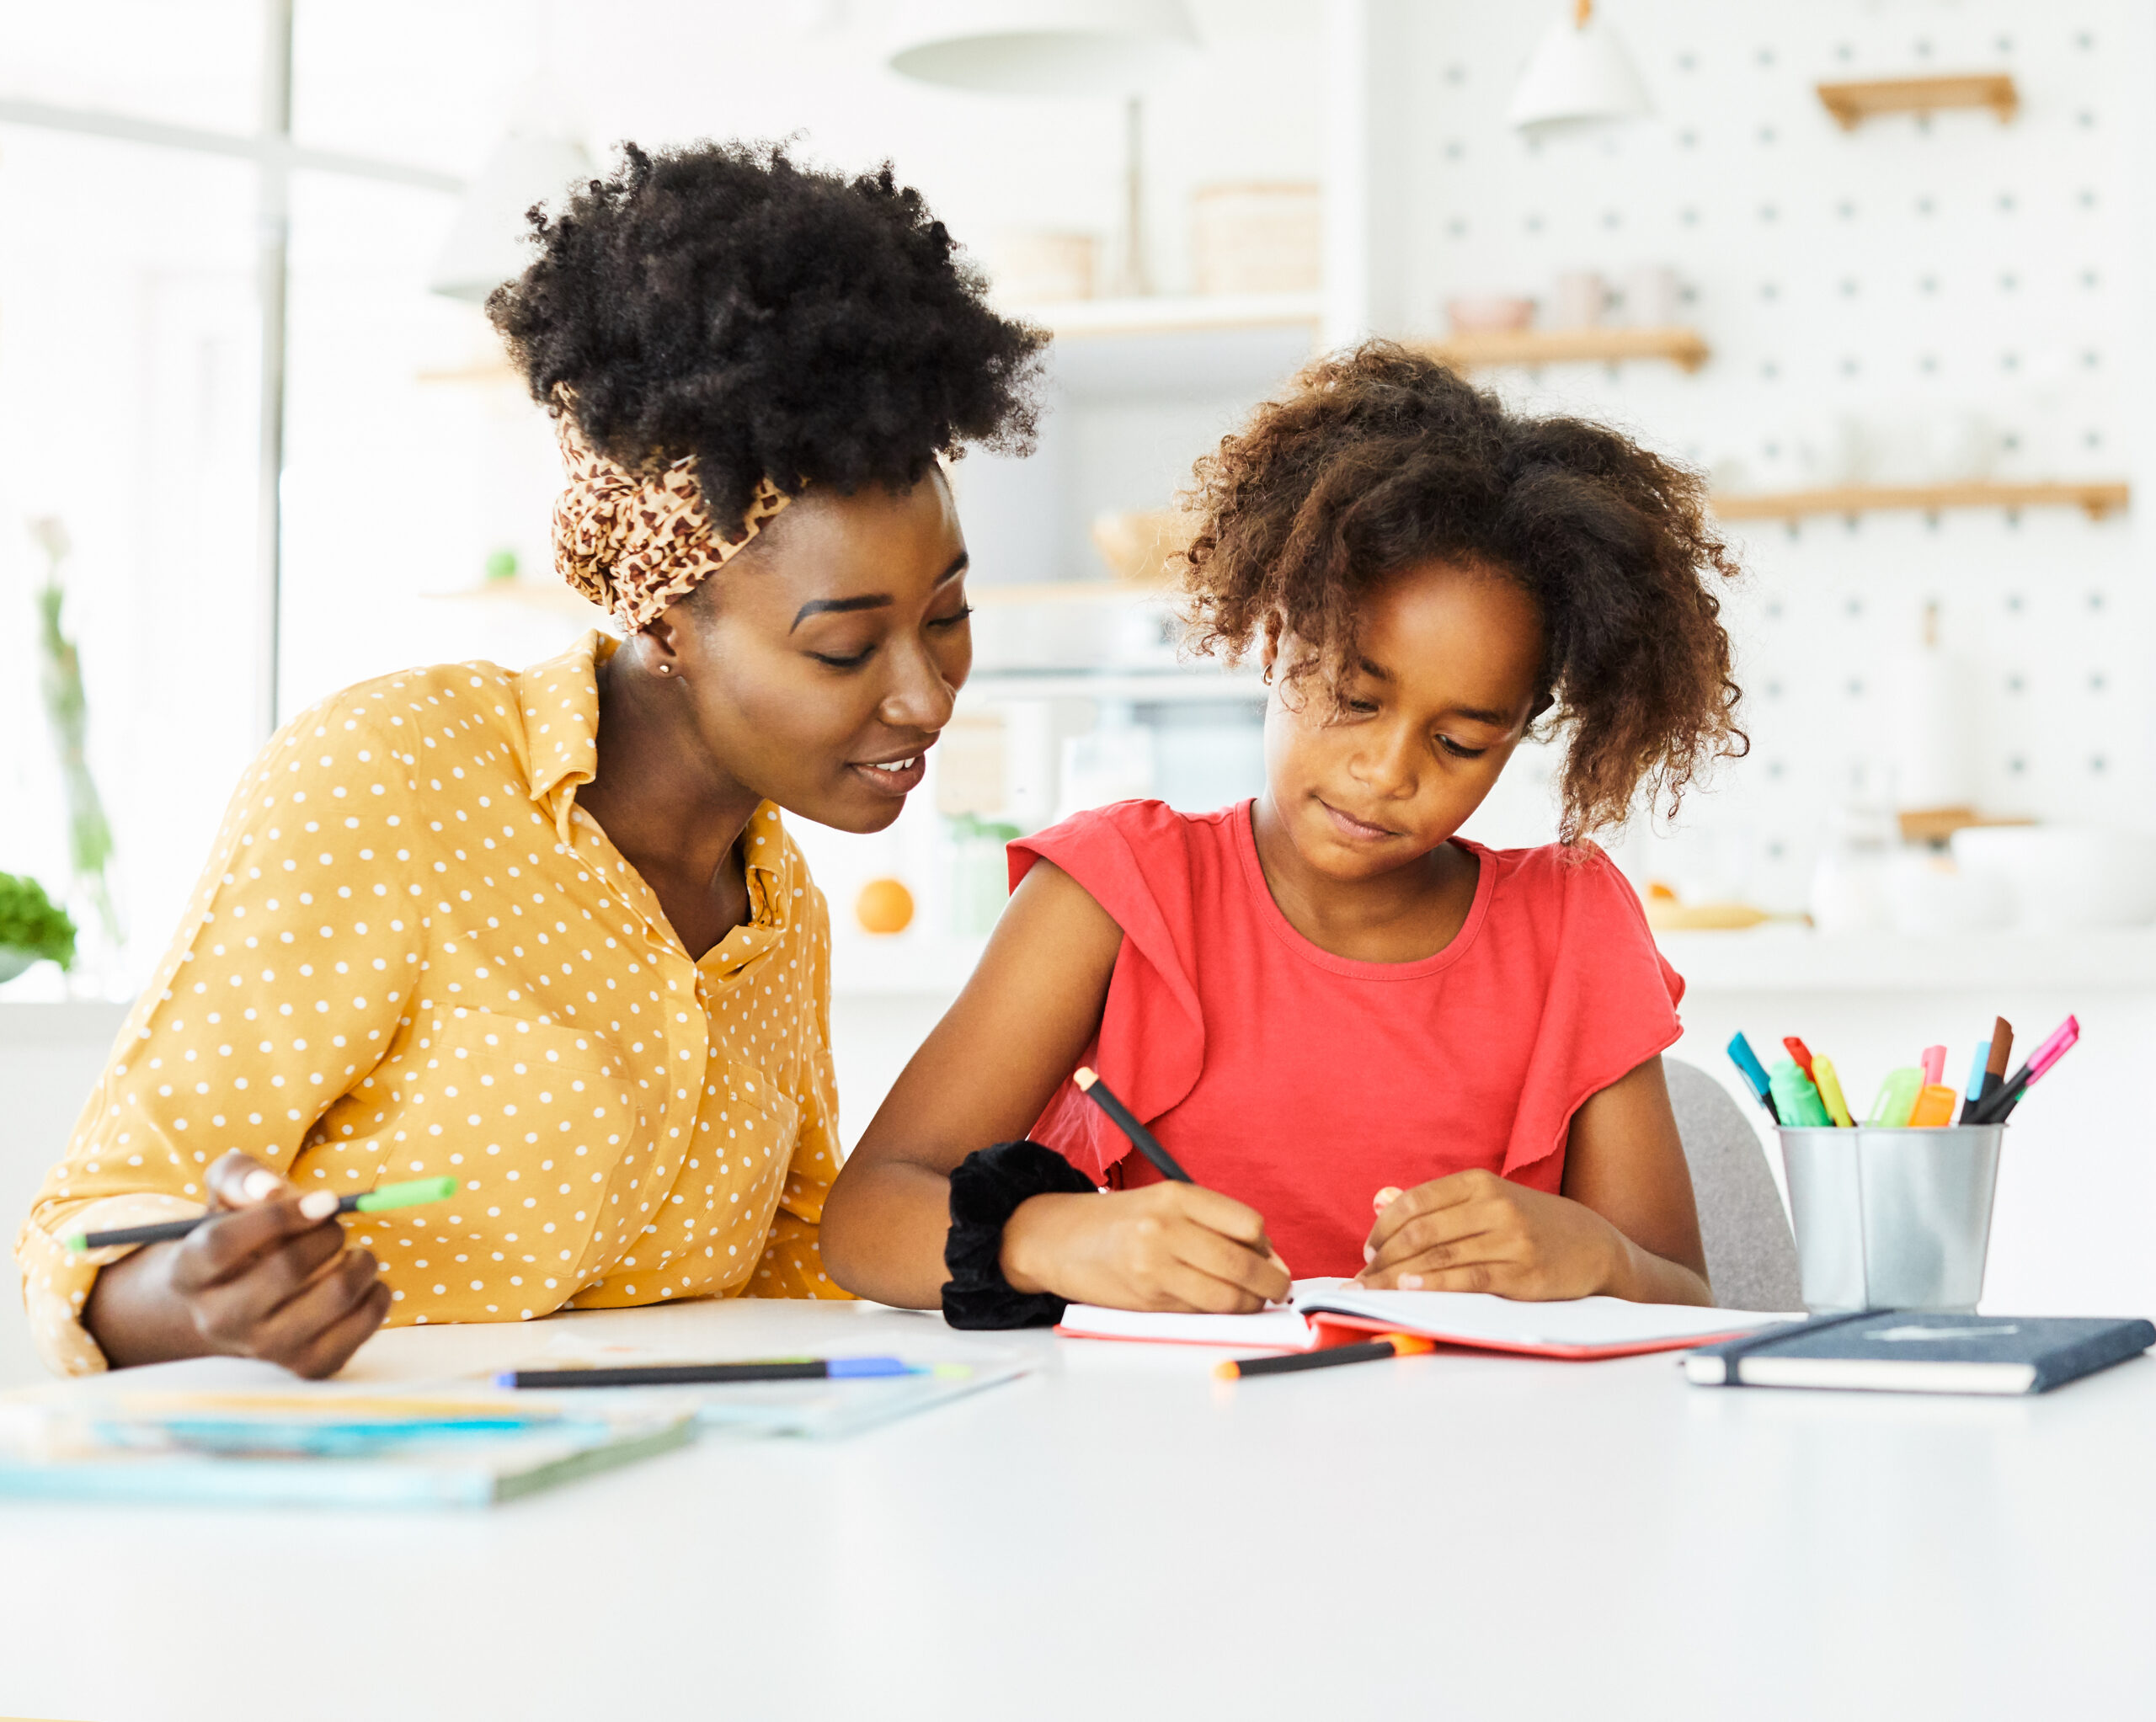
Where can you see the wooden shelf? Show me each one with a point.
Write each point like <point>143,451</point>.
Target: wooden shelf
<point>555,596</point>
<point>1473,350</point>
<point>2097,499</point>
<point>1853,103</point>
<point>1167,314</point>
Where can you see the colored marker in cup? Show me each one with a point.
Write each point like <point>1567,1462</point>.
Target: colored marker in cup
<point>1829,1085</point>
<point>1897,1099</point>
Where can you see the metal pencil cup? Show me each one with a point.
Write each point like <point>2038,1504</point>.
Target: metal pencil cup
<point>1891,1220</point>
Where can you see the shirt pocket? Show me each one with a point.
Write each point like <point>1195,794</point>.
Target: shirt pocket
<point>544,1117</point>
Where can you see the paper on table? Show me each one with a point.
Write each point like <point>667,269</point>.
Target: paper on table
<point>1580,1326</point>
<point>1570,1326</point>
<point>1280,1328</point>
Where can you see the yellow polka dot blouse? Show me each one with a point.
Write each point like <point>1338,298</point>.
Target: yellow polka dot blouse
<point>413,954</point>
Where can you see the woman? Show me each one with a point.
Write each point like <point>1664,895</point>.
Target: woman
<point>543,932</point>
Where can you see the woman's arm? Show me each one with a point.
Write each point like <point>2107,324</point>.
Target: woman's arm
<point>1626,1226</point>
<point>984,1076</point>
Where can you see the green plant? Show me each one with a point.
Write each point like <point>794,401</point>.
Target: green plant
<point>89,833</point>
<point>32,922</point>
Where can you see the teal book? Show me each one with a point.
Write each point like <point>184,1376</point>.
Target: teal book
<point>132,1436</point>
<point>1897,1351</point>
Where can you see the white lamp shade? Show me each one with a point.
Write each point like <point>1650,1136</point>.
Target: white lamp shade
<point>1043,47</point>
<point>490,242</point>
<point>1580,77</point>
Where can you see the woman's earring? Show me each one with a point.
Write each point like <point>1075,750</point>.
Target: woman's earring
<point>666,669</point>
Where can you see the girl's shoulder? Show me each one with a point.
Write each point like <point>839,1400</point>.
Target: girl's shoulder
<point>1573,904</point>
<point>1573,873</point>
<point>1148,836</point>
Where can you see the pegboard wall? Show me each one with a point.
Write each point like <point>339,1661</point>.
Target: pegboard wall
<point>1917,299</point>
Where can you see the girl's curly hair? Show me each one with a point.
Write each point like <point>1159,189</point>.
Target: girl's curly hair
<point>773,321</point>
<point>1380,459</point>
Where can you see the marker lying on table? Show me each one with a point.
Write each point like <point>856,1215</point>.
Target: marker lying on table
<point>1755,1073</point>
<point>406,1195</point>
<point>698,1374</point>
<point>1391,1344</point>
<point>1141,1139</point>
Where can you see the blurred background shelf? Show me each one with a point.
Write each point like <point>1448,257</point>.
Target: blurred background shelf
<point>1798,959</point>
<point>923,966</point>
<point>1853,103</point>
<point>2097,497</point>
<point>1686,348</point>
<point>1082,319</point>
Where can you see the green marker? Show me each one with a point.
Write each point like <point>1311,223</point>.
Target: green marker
<point>409,1194</point>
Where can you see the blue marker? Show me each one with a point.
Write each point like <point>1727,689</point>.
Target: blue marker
<point>1976,1082</point>
<point>1755,1073</point>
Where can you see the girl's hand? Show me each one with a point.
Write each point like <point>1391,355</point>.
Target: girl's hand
<point>1476,1232</point>
<point>267,1277</point>
<point>1164,1246</point>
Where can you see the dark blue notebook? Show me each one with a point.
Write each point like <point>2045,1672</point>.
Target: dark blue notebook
<point>1889,1351</point>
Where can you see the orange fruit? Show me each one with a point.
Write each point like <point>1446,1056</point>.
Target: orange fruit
<point>884,906</point>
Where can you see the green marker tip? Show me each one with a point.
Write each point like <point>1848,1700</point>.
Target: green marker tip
<point>76,1243</point>
<point>406,1195</point>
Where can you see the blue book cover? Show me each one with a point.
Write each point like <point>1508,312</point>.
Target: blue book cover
<point>1890,1350</point>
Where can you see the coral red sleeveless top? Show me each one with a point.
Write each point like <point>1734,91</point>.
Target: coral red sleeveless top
<point>1302,1082</point>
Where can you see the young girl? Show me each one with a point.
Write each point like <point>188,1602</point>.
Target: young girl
<point>541,932</point>
<point>1379,1050</point>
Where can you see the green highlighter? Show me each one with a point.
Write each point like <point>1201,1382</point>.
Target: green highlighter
<point>409,1194</point>
<point>1796,1099</point>
<point>1896,1098</point>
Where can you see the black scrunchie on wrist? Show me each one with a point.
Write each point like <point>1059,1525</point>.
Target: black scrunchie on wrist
<point>985,1192</point>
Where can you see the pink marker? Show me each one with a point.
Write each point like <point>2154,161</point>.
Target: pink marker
<point>1935,1065</point>
<point>1996,1110</point>
<point>2048,1054</point>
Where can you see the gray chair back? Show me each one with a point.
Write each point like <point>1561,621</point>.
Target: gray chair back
<point>1751,1252</point>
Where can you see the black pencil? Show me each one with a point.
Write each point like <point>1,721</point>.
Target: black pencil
<point>1141,1139</point>
<point>1392,1345</point>
<point>697,1374</point>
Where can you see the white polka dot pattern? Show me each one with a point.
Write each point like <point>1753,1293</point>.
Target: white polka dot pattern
<point>412,954</point>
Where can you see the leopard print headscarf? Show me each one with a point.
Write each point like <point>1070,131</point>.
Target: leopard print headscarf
<point>634,543</point>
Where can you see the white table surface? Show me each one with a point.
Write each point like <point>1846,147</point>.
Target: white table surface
<point>1118,1535</point>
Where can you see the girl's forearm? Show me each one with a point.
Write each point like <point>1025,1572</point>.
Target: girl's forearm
<point>882,1233</point>
<point>1643,1277</point>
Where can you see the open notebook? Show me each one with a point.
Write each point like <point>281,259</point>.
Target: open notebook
<point>1326,1313</point>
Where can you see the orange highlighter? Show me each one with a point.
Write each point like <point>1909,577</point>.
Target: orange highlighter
<point>1935,1106</point>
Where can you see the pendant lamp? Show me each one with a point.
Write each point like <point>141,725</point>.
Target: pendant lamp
<point>1042,47</point>
<point>1581,79</point>
<point>490,242</point>
<point>1055,47</point>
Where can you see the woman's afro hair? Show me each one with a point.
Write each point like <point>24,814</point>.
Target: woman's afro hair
<point>1379,459</point>
<point>772,320</point>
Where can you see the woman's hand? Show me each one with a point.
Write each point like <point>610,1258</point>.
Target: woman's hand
<point>1476,1232</point>
<point>267,1277</point>
<point>1164,1246</point>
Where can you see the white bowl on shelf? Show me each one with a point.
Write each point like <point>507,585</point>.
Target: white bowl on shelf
<point>2065,876</point>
